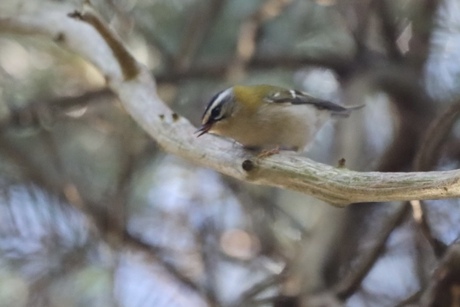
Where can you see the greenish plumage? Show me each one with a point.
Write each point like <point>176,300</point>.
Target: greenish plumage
<point>268,116</point>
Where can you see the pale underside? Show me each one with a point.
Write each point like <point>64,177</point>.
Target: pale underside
<point>282,124</point>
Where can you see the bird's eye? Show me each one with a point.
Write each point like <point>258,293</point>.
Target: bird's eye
<point>215,113</point>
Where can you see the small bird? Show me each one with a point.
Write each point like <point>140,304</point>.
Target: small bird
<point>267,116</point>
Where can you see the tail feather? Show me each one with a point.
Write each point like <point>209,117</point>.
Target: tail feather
<point>345,111</point>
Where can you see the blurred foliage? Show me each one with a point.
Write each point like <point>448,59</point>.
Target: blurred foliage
<point>93,213</point>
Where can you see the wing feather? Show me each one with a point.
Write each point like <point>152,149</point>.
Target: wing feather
<point>299,98</point>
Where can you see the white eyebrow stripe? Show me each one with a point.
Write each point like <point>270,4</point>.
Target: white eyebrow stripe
<point>219,98</point>
<point>293,94</point>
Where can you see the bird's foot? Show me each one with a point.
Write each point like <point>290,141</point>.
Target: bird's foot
<point>268,152</point>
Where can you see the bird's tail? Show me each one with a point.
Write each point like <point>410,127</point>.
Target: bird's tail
<point>345,111</point>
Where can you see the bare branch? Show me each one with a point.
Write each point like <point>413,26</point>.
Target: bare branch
<point>389,29</point>
<point>444,289</point>
<point>249,28</point>
<point>422,25</point>
<point>137,92</point>
<point>204,15</point>
<point>348,286</point>
<point>435,136</point>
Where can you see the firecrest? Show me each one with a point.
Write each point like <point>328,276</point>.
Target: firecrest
<point>264,116</point>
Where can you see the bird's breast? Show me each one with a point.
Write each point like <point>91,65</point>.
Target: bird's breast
<point>287,126</point>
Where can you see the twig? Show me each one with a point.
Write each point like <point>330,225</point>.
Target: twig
<point>126,61</point>
<point>348,286</point>
<point>389,29</point>
<point>420,217</point>
<point>422,26</point>
<point>414,109</point>
<point>206,237</point>
<point>199,26</point>
<point>249,28</point>
<point>436,134</point>
<point>444,287</point>
<point>356,16</point>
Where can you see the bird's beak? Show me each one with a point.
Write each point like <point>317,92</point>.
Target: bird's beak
<point>203,129</point>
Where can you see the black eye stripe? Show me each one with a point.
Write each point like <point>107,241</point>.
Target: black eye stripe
<point>216,112</point>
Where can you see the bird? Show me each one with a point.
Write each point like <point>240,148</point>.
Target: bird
<point>267,116</point>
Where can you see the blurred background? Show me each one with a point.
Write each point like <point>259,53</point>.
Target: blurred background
<point>94,213</point>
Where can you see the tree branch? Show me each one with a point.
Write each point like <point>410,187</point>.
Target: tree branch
<point>137,92</point>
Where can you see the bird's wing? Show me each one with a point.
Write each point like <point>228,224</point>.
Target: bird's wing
<point>295,97</point>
